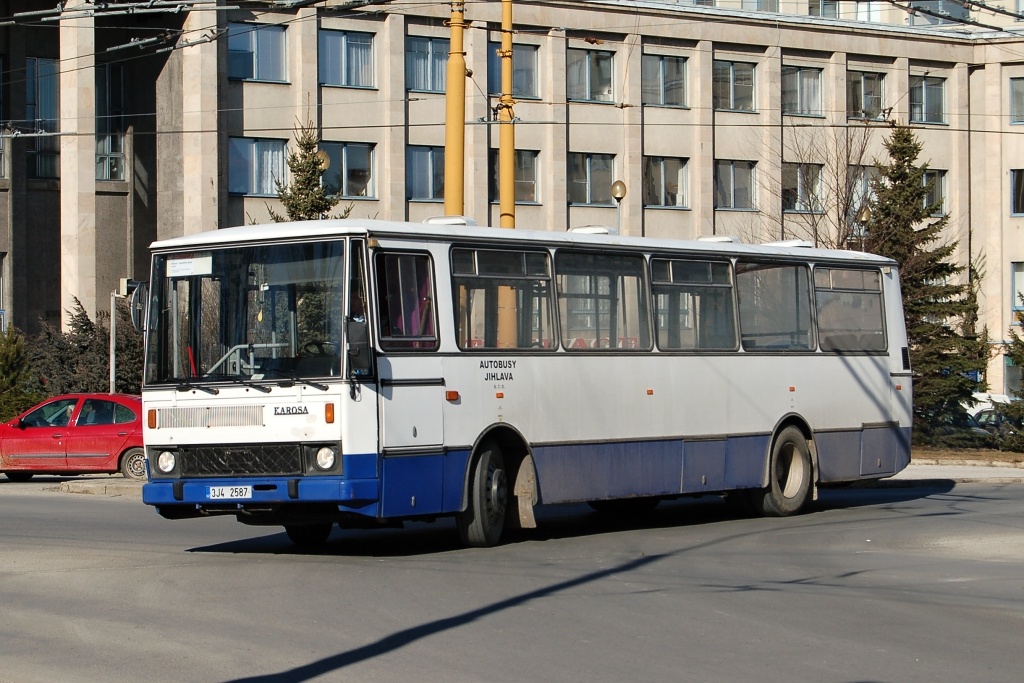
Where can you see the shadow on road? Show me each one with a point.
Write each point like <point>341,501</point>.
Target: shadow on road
<point>560,522</point>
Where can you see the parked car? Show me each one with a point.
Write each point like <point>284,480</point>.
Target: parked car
<point>997,422</point>
<point>75,434</point>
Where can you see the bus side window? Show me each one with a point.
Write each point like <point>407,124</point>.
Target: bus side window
<point>405,299</point>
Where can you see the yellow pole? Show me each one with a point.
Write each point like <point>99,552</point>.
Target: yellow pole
<point>455,118</point>
<point>506,129</point>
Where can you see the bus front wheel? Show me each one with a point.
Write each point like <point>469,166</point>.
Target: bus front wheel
<point>308,535</point>
<point>790,480</point>
<point>480,525</point>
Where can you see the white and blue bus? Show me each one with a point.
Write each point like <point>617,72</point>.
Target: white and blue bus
<point>365,373</point>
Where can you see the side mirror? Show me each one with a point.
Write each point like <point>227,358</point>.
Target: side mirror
<point>137,306</point>
<point>357,343</point>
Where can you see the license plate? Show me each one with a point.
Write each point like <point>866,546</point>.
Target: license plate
<point>229,492</point>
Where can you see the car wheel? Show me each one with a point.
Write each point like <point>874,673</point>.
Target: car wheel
<point>133,464</point>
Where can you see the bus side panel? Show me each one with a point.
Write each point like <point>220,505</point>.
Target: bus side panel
<point>838,455</point>
<point>879,449</point>
<point>704,466</point>
<point>412,485</point>
<point>610,470</point>
<point>747,461</point>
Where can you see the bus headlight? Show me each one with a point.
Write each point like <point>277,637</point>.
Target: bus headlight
<point>166,461</point>
<point>325,458</point>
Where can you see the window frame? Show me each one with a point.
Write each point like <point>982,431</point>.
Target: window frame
<point>827,9</point>
<point>1016,289</point>
<point>417,343</point>
<point>646,88</point>
<point>345,67</point>
<point>922,93</point>
<point>939,190</point>
<point>110,123</point>
<point>594,59</point>
<point>864,113</point>
<point>731,206</point>
<point>1016,101</point>
<point>530,67</point>
<point>661,192</point>
<point>804,199</point>
<point>717,84</point>
<point>437,69</point>
<point>345,173</point>
<point>759,313</point>
<point>521,182</point>
<point>798,72</point>
<point>435,170</point>
<point>257,51</point>
<point>253,181</point>
<point>593,198</point>
<point>666,279</point>
<point>42,84</point>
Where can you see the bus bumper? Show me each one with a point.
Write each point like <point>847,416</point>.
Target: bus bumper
<point>348,494</point>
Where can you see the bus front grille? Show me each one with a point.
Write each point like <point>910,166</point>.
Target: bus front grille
<point>241,460</point>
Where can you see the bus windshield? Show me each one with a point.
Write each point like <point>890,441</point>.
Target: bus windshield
<point>264,312</point>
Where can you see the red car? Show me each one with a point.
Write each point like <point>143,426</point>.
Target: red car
<point>75,434</point>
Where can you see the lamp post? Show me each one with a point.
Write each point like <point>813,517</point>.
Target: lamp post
<point>862,218</point>
<point>618,192</point>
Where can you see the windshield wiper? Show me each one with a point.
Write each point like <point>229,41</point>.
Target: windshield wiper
<point>285,383</point>
<point>257,387</point>
<point>185,385</point>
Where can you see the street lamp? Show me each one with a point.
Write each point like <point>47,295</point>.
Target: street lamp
<point>618,192</point>
<point>862,218</point>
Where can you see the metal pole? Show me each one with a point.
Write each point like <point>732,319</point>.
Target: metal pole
<point>113,341</point>
<point>455,117</point>
<point>506,127</point>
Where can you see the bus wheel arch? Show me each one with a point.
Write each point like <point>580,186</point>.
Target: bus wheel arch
<point>503,448</point>
<point>791,471</point>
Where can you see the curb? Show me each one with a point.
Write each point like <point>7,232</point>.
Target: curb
<point>115,489</point>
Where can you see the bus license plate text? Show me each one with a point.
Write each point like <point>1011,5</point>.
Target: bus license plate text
<point>225,492</point>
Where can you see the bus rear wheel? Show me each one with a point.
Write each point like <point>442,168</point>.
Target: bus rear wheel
<point>308,535</point>
<point>790,480</point>
<point>480,525</point>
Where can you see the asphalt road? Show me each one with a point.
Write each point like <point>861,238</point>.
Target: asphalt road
<point>891,584</point>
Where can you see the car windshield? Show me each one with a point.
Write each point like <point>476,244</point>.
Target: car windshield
<point>246,313</point>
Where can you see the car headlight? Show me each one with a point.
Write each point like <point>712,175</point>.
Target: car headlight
<point>166,461</point>
<point>325,458</point>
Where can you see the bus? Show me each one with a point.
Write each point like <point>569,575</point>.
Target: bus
<point>366,373</point>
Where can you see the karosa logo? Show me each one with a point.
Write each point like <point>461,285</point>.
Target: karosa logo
<point>291,410</point>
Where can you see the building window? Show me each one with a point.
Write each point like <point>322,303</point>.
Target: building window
<point>524,70</point>
<point>109,122</point>
<point>664,181</point>
<point>256,52</point>
<point>927,99</point>
<point>42,109</point>
<point>346,59</point>
<point>864,92</point>
<point>3,147</point>
<point>1017,100</point>
<point>801,188</point>
<point>349,169</point>
<point>761,5</point>
<point>935,182</point>
<point>732,86</point>
<point>589,75</point>
<point>424,174</point>
<point>1017,289</point>
<point>734,184</point>
<point>1017,190</point>
<point>823,8</point>
<point>869,10</point>
<point>525,177</point>
<point>426,63</point>
<point>255,165</point>
<point>801,91</point>
<point>590,178</point>
<point>663,81</point>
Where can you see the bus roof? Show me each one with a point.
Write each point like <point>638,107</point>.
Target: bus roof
<point>321,229</point>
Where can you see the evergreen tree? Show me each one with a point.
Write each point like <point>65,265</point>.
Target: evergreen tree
<point>305,197</point>
<point>941,309</point>
<point>14,375</point>
<point>74,361</point>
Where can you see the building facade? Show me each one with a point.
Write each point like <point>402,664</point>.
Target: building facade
<point>751,119</point>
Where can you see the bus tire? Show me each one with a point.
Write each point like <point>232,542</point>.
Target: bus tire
<point>308,535</point>
<point>480,525</point>
<point>789,476</point>
<point>133,464</point>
